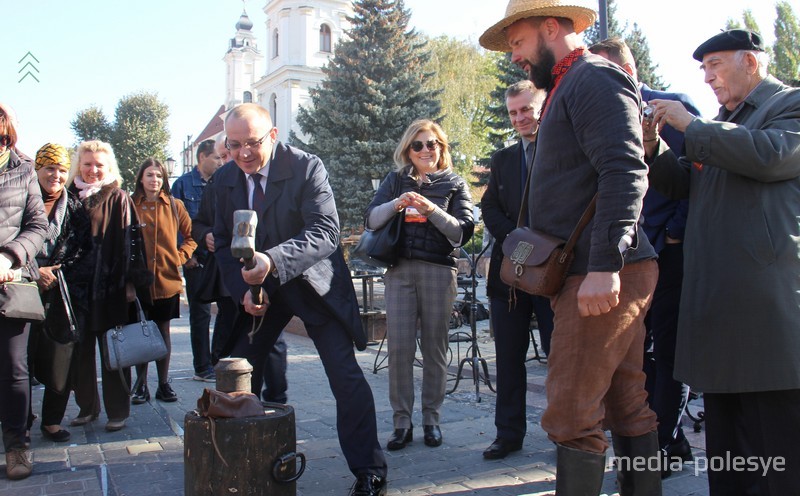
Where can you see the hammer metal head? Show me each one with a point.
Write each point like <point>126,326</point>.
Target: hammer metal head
<point>243,242</point>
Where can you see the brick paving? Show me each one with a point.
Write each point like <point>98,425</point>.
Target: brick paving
<point>147,457</point>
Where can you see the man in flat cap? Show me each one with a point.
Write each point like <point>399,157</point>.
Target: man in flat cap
<point>589,143</point>
<point>739,324</point>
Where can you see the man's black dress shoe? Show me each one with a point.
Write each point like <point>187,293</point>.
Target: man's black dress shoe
<point>399,438</point>
<point>369,485</point>
<point>433,435</point>
<point>500,448</point>
<point>681,450</point>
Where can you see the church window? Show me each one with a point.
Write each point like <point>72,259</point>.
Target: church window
<point>325,38</point>
<point>273,107</point>
<point>247,97</point>
<point>275,43</point>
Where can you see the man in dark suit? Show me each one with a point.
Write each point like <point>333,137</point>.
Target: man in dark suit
<point>300,271</point>
<point>511,318</point>
<point>664,222</point>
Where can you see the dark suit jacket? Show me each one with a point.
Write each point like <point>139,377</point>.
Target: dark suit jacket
<point>660,215</point>
<point>500,207</point>
<point>299,229</point>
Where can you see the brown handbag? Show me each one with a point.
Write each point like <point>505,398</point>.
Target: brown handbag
<point>236,404</point>
<point>535,262</point>
<point>214,405</point>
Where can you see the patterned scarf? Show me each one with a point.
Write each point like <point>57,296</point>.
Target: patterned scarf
<point>558,72</point>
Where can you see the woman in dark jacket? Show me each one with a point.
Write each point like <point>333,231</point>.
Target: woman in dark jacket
<point>437,209</point>
<point>22,229</point>
<point>65,246</point>
<point>118,269</point>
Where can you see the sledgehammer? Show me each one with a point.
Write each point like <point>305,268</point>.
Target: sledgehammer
<point>243,244</point>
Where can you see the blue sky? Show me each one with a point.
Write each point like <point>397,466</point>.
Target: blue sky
<point>95,52</point>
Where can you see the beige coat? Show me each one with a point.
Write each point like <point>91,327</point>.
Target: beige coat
<point>165,256</point>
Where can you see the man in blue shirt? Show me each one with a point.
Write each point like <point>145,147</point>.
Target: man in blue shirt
<point>189,188</point>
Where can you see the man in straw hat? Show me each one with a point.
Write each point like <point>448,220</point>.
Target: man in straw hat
<point>590,141</point>
<point>738,338</point>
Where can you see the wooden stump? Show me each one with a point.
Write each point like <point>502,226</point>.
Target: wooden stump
<point>259,452</point>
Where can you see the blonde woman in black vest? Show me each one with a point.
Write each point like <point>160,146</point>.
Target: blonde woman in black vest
<point>422,286</point>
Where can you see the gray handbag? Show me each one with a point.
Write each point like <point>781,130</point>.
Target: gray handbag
<point>133,344</point>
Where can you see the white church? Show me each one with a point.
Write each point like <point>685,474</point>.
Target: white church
<point>300,40</point>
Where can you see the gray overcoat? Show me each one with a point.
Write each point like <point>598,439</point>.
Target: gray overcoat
<point>739,324</point>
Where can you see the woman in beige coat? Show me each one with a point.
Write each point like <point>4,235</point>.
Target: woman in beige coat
<point>163,217</point>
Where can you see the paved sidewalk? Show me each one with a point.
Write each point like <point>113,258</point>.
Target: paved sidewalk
<point>146,458</point>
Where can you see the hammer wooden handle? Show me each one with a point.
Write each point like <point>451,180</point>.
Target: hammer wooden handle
<point>255,290</point>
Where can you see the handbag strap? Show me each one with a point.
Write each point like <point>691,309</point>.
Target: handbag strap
<point>579,227</point>
<point>67,301</point>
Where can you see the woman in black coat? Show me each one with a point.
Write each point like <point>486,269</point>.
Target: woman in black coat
<point>118,269</point>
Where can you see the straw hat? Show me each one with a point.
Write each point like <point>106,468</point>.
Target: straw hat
<point>495,38</point>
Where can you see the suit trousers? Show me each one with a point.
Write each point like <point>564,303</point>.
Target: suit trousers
<point>355,406</point>
<point>425,292</point>
<point>115,398</point>
<point>595,378</point>
<point>760,424</point>
<point>199,321</point>
<point>511,342</point>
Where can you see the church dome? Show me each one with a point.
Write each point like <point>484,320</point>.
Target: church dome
<point>244,22</point>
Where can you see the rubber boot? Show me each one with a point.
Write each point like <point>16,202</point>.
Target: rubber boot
<point>579,473</point>
<point>640,453</point>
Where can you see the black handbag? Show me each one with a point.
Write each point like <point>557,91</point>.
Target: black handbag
<point>56,341</point>
<point>379,248</point>
<point>20,300</point>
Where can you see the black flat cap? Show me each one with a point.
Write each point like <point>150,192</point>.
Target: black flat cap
<point>734,39</point>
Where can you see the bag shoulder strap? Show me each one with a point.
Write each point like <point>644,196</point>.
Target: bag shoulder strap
<point>67,301</point>
<point>579,227</point>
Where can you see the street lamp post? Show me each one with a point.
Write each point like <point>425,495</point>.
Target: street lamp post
<point>170,165</point>
<point>603,11</point>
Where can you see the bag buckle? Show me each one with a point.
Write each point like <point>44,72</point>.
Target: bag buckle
<point>521,252</point>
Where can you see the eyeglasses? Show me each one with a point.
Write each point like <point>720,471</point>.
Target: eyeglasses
<point>5,140</point>
<point>430,144</point>
<point>235,147</point>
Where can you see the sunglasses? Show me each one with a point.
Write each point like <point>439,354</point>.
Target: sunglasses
<point>431,144</point>
<point>5,140</point>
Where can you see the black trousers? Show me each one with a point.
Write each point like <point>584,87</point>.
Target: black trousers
<point>115,397</point>
<point>199,321</point>
<point>666,396</point>
<point>15,388</point>
<point>355,406</point>
<point>764,424</point>
<point>511,342</point>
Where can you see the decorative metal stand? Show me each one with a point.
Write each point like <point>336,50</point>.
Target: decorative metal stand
<point>474,358</point>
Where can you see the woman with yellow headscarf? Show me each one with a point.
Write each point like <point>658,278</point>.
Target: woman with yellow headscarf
<point>67,242</point>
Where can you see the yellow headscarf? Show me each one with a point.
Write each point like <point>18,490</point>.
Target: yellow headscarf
<point>52,154</point>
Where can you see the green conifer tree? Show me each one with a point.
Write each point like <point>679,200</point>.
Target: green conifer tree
<point>786,59</point>
<point>374,88</point>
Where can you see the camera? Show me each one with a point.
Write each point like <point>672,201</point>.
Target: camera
<point>648,112</point>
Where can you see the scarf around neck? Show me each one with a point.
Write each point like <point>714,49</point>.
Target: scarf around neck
<point>558,71</point>
<point>87,190</point>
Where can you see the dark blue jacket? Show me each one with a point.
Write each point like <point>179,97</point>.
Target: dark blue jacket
<point>660,215</point>
<point>189,189</point>
<point>298,228</point>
